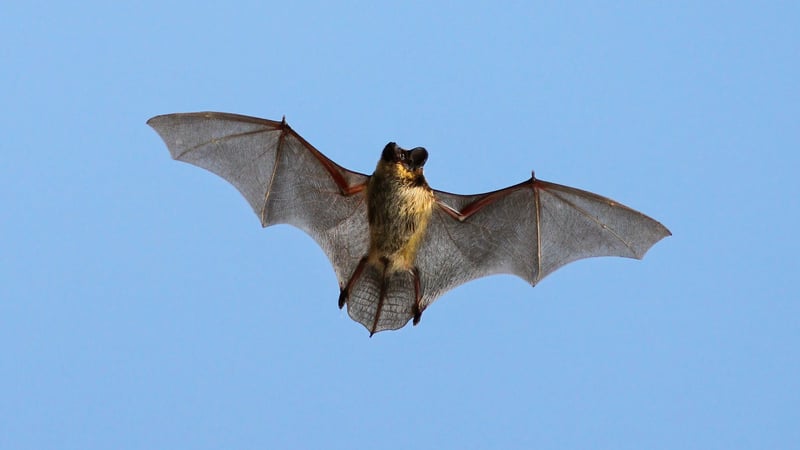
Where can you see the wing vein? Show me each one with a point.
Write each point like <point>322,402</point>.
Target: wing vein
<point>215,140</point>
<point>595,220</point>
<point>538,210</point>
<point>272,177</point>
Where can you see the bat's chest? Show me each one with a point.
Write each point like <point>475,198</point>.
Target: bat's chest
<point>398,217</point>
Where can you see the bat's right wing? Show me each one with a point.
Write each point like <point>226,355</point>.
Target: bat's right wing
<point>283,177</point>
<point>529,230</point>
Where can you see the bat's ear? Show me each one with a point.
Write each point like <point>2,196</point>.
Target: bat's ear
<point>418,157</point>
<point>391,153</point>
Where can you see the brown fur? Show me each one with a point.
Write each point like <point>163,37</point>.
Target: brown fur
<point>399,206</point>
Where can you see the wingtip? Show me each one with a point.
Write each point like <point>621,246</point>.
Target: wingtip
<point>151,121</point>
<point>645,250</point>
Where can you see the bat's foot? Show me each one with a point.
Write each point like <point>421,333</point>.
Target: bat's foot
<point>345,291</point>
<point>416,309</point>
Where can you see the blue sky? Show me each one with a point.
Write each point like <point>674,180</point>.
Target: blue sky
<point>142,306</point>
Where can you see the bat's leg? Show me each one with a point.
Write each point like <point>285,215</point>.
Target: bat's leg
<point>417,296</point>
<point>345,292</point>
<point>381,296</point>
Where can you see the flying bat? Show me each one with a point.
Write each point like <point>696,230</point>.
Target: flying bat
<point>395,243</point>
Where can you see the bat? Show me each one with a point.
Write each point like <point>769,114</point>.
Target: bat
<point>395,244</point>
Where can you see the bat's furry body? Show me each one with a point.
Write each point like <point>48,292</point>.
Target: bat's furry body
<point>395,244</point>
<point>399,206</point>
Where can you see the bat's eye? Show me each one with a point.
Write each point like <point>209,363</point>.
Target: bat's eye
<point>418,157</point>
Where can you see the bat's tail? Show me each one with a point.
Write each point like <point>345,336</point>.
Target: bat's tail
<point>381,300</point>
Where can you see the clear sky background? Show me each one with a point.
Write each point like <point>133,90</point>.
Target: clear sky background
<point>142,305</point>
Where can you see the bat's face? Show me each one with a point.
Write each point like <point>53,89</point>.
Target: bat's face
<point>410,160</point>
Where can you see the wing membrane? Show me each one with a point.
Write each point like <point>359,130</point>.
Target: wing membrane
<point>283,178</point>
<point>529,230</point>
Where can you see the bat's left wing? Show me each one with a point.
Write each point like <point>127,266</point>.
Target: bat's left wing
<point>528,230</point>
<point>283,177</point>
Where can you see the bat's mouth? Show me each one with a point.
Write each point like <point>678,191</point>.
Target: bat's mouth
<point>413,159</point>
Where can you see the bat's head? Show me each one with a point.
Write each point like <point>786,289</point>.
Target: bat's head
<point>401,164</point>
<point>412,160</point>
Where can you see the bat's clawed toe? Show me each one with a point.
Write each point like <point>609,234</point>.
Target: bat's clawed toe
<point>344,293</point>
<point>417,315</point>
<point>416,309</point>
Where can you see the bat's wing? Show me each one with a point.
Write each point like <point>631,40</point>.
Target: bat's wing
<point>283,177</point>
<point>528,230</point>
